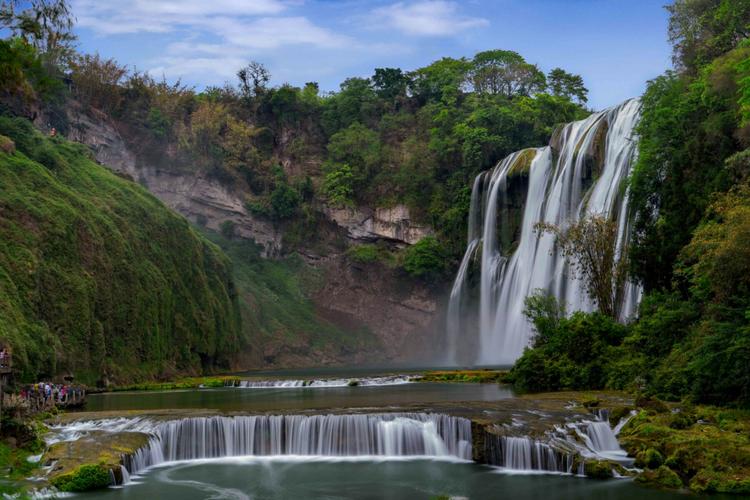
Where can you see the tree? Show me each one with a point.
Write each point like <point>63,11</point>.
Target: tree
<point>45,24</point>
<point>253,79</point>
<point>591,244</point>
<point>701,30</point>
<point>390,83</point>
<point>506,73</point>
<point>564,84</point>
<point>96,81</point>
<point>360,148</point>
<point>440,80</point>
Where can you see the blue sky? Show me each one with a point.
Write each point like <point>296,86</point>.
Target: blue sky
<point>617,45</point>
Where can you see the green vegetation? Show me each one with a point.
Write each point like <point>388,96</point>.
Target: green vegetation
<point>415,138</point>
<point>275,303</point>
<point>97,277</point>
<point>85,478</point>
<point>465,376</point>
<point>426,259</point>
<point>568,352</point>
<point>703,448</point>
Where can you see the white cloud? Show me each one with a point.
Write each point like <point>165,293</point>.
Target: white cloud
<point>426,18</point>
<point>134,16</point>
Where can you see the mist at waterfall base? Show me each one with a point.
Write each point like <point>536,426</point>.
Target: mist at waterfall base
<point>583,171</point>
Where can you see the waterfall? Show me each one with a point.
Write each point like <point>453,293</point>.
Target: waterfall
<point>582,171</point>
<point>527,454</point>
<point>381,435</point>
<point>323,383</point>
<point>602,438</point>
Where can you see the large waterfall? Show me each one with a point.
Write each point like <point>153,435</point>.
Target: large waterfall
<point>582,171</point>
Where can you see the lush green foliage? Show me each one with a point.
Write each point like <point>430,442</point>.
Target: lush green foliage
<point>413,138</point>
<point>426,259</point>
<point>97,277</point>
<point>568,352</point>
<point>87,477</point>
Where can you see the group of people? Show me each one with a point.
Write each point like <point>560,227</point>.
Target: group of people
<point>45,395</point>
<point>4,358</point>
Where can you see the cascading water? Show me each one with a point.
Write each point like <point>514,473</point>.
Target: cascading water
<point>381,435</point>
<point>583,171</point>
<point>323,383</point>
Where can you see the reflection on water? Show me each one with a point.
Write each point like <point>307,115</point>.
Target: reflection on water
<point>243,478</point>
<point>251,400</point>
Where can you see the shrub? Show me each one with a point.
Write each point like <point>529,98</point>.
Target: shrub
<point>363,253</point>
<point>426,259</point>
<point>85,478</point>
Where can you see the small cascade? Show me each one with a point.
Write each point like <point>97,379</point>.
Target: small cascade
<point>322,383</point>
<point>623,422</point>
<point>381,435</point>
<point>527,454</point>
<point>602,438</point>
<point>583,171</point>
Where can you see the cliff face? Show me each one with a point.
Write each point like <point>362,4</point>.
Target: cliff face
<point>398,311</point>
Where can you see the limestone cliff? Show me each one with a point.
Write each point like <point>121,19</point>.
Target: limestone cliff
<point>400,312</point>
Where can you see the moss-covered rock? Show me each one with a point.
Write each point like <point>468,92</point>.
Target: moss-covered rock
<point>709,481</point>
<point>649,458</point>
<point>98,276</point>
<point>84,478</point>
<point>618,413</point>
<point>663,477</point>
<point>99,449</point>
<point>651,404</point>
<point>522,164</point>
<point>710,455</point>
<point>598,469</point>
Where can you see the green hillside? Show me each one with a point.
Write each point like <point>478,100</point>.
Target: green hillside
<point>97,277</point>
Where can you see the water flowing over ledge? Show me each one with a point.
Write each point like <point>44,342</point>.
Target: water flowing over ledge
<point>374,435</point>
<point>323,383</point>
<point>519,445</point>
<point>582,171</point>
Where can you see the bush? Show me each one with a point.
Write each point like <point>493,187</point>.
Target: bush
<point>568,352</point>
<point>426,259</point>
<point>84,478</point>
<point>363,253</point>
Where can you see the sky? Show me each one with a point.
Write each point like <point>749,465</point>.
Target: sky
<point>616,45</point>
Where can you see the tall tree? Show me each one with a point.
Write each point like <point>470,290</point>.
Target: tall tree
<point>564,84</point>
<point>701,30</point>
<point>390,83</point>
<point>591,244</point>
<point>505,72</point>
<point>253,79</point>
<point>45,24</point>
